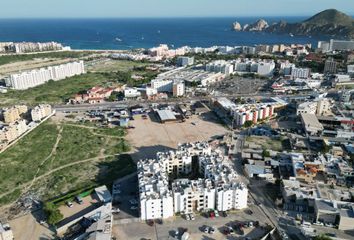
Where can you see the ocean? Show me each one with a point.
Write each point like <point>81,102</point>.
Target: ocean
<point>129,33</point>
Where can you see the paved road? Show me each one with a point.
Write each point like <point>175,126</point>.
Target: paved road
<point>129,103</point>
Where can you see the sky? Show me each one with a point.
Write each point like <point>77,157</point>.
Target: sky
<point>167,8</point>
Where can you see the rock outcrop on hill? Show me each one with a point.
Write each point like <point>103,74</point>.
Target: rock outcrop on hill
<point>329,22</point>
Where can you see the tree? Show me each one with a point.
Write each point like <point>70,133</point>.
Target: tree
<point>265,153</point>
<point>53,213</point>
<point>322,237</point>
<point>248,124</point>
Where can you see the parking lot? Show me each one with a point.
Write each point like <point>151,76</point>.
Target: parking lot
<point>239,85</point>
<point>196,228</point>
<point>125,198</point>
<point>150,136</point>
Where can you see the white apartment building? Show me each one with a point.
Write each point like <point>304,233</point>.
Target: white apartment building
<point>185,61</point>
<point>220,66</point>
<point>40,112</point>
<point>265,68</point>
<point>131,93</point>
<point>214,185</point>
<point>318,107</point>
<point>178,88</point>
<point>285,67</point>
<point>162,85</point>
<point>40,76</point>
<point>300,73</point>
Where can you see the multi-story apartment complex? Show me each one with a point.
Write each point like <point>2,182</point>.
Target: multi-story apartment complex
<point>13,131</point>
<point>318,107</point>
<point>220,66</point>
<point>40,112</point>
<point>336,45</point>
<point>253,113</point>
<point>37,77</point>
<point>330,66</point>
<point>212,182</point>
<point>300,73</point>
<point>185,61</point>
<point>25,47</point>
<point>11,114</point>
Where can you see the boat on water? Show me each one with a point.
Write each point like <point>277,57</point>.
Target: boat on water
<point>118,39</point>
<point>291,35</point>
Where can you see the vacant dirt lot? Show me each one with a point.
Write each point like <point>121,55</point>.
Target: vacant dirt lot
<point>150,136</point>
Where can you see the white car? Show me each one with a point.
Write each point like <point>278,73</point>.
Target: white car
<point>192,217</point>
<point>134,208</point>
<point>206,229</point>
<point>318,223</point>
<point>188,217</point>
<point>115,210</point>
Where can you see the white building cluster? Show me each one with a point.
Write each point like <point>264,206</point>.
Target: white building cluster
<point>40,112</point>
<point>26,47</point>
<point>215,187</point>
<point>242,66</point>
<point>40,76</point>
<point>254,112</point>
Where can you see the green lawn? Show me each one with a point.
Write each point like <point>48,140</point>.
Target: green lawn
<point>20,163</point>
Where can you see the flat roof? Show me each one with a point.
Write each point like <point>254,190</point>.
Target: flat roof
<point>311,121</point>
<point>103,194</point>
<point>166,115</point>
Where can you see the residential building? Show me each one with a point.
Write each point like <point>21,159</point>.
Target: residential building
<point>265,68</point>
<point>178,89</point>
<point>220,66</point>
<point>311,124</point>
<point>40,112</point>
<point>300,73</point>
<point>217,186</point>
<point>131,93</point>
<point>185,61</point>
<point>11,114</point>
<point>40,76</point>
<point>330,66</point>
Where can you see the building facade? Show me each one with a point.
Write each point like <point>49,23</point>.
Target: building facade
<point>204,180</point>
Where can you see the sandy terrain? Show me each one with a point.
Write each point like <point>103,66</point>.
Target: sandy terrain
<point>150,136</point>
<point>31,64</point>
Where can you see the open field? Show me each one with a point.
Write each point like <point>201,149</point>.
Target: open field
<point>59,157</point>
<point>266,142</point>
<point>150,136</point>
<point>6,59</point>
<point>108,65</point>
<point>56,92</point>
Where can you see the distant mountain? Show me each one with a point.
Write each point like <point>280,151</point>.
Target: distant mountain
<point>330,22</point>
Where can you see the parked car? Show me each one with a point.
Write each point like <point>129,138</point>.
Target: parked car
<point>188,217</point>
<point>192,217</point>
<point>206,229</point>
<point>69,204</point>
<point>150,222</point>
<point>216,213</point>
<point>223,214</point>
<point>212,230</point>
<point>134,208</point>
<point>78,199</point>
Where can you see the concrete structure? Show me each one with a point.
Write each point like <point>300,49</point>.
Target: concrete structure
<point>178,88</point>
<point>311,124</point>
<point>300,73</point>
<point>131,93</point>
<point>330,66</point>
<point>212,182</point>
<point>319,107</point>
<point>41,111</point>
<point>40,76</point>
<point>185,61</point>
<point>26,47</point>
<point>220,66</point>
<point>11,114</point>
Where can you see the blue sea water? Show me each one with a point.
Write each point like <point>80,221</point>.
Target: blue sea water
<point>128,33</point>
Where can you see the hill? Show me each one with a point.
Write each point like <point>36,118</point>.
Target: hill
<point>329,22</point>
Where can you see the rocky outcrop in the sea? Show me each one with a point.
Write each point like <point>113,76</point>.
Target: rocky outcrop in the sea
<point>258,26</point>
<point>329,22</point>
<point>236,26</point>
